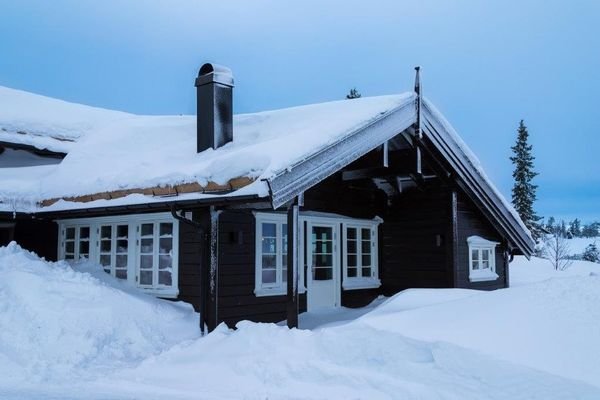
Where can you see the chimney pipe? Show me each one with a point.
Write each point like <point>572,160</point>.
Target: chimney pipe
<point>214,113</point>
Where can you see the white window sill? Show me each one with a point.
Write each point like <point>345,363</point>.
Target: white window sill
<point>276,292</point>
<point>164,293</point>
<point>269,292</point>
<point>361,283</point>
<point>482,276</point>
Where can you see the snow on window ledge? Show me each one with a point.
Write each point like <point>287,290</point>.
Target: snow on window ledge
<point>269,292</point>
<point>361,283</point>
<point>483,275</point>
<point>162,293</point>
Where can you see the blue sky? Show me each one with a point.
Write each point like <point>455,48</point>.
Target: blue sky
<point>485,64</point>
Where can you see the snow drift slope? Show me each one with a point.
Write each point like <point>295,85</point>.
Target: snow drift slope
<point>58,323</point>
<point>552,325</point>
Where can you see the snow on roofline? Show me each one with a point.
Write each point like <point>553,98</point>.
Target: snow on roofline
<point>46,123</point>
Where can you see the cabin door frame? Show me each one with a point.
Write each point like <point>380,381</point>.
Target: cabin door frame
<point>323,270</point>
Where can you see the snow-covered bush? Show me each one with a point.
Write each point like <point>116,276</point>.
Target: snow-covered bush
<point>591,253</point>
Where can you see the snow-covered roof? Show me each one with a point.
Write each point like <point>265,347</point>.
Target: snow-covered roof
<point>122,159</point>
<point>45,123</point>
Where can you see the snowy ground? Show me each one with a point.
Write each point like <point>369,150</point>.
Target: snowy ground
<point>74,335</point>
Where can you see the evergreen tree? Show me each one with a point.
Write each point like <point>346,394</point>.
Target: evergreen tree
<point>591,230</point>
<point>575,227</point>
<point>523,191</point>
<point>591,253</point>
<point>550,224</point>
<point>354,94</point>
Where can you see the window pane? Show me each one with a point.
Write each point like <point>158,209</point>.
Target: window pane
<point>122,231</point>
<point>268,276</point>
<point>105,246</point>
<point>70,247</point>
<point>351,260</point>
<point>352,272</point>
<point>485,264</point>
<point>322,260</point>
<point>366,272</point>
<point>366,234</point>
<point>351,233</point>
<point>105,232</point>
<point>366,246</point>
<point>84,248</point>
<point>485,255</point>
<point>147,229</point>
<point>352,246</point>
<point>475,264</point>
<point>70,233</point>
<point>166,229</point>
<point>269,261</point>
<point>166,245</point>
<point>145,277</point>
<point>164,278</point>
<point>269,245</point>
<point>69,256</point>
<point>269,230</point>
<point>122,246</point>
<point>284,238</point>
<point>146,262</point>
<point>284,275</point>
<point>147,245</point>
<point>475,255</point>
<point>165,261</point>
<point>84,232</point>
<point>284,260</point>
<point>105,260</point>
<point>122,261</point>
<point>366,260</point>
<point>121,273</point>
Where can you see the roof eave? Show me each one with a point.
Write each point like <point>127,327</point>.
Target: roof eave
<point>303,175</point>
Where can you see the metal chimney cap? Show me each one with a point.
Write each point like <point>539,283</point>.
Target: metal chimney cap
<point>214,73</point>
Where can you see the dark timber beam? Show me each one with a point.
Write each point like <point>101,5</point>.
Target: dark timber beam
<point>292,263</point>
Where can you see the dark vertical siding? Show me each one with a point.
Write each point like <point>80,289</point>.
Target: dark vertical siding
<point>472,222</point>
<point>39,236</point>
<point>191,252</point>
<point>236,258</point>
<point>411,257</point>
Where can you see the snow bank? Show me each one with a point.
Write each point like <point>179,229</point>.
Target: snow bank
<point>61,323</point>
<point>260,361</point>
<point>551,322</point>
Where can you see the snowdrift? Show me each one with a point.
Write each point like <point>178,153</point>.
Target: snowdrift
<point>63,322</point>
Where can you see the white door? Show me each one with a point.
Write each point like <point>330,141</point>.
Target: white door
<point>323,266</point>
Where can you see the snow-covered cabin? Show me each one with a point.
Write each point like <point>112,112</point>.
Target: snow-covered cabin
<point>256,216</point>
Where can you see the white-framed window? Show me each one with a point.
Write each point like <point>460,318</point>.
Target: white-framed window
<point>482,259</point>
<point>360,258</point>
<point>271,254</point>
<point>359,252</point>
<point>141,248</point>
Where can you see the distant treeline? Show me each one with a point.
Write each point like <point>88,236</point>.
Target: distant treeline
<point>572,229</point>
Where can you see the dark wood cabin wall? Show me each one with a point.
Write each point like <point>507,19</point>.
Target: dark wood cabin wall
<point>410,255</point>
<point>472,222</point>
<point>191,251</point>
<point>236,279</point>
<point>39,236</point>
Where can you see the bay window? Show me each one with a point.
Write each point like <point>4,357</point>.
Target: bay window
<point>141,249</point>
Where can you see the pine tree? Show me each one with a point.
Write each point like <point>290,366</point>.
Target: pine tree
<point>354,94</point>
<point>591,253</point>
<point>524,191</point>
<point>575,228</point>
<point>550,224</point>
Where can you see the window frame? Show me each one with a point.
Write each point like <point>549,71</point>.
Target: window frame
<point>361,282</point>
<point>134,222</point>
<point>279,287</point>
<point>280,219</point>
<point>479,244</point>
